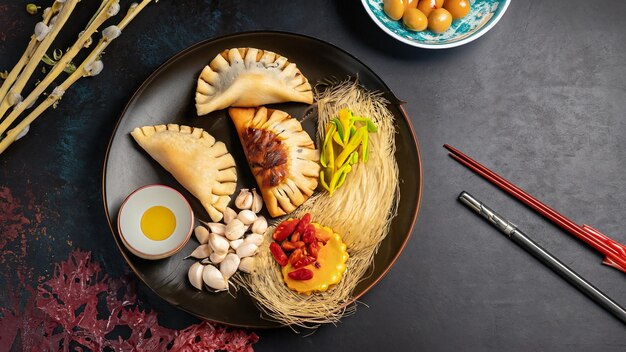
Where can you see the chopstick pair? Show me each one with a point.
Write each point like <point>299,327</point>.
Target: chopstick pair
<point>614,252</point>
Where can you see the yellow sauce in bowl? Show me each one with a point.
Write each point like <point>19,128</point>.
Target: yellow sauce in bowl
<point>158,223</point>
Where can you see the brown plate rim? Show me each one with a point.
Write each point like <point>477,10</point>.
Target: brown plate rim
<point>192,47</point>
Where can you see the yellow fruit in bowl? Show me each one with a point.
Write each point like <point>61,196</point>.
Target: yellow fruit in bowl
<point>394,9</point>
<point>409,4</point>
<point>415,20</point>
<point>439,20</point>
<point>426,6</point>
<point>457,8</point>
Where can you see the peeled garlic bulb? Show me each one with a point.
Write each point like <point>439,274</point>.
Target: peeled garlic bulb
<point>255,239</point>
<point>235,229</point>
<point>218,243</point>
<point>236,243</point>
<point>216,227</point>
<point>246,264</point>
<point>217,258</point>
<point>246,216</point>
<point>229,265</point>
<point>195,275</point>
<point>259,225</point>
<point>202,234</point>
<point>257,202</point>
<point>244,199</point>
<point>202,251</point>
<point>214,278</point>
<point>229,215</point>
<point>246,250</point>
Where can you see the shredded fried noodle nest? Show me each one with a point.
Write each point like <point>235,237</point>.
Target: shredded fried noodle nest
<point>360,211</point>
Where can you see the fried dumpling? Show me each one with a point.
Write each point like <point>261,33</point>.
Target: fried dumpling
<point>281,154</point>
<point>248,77</point>
<point>202,165</point>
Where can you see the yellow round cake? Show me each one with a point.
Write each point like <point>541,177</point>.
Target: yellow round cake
<point>327,270</point>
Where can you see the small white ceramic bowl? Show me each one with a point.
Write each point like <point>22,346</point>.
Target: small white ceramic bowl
<point>484,14</point>
<point>134,207</point>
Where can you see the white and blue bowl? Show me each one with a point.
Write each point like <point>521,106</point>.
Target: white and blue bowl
<point>483,15</point>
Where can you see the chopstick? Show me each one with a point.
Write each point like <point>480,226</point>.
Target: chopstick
<point>615,253</point>
<point>521,239</point>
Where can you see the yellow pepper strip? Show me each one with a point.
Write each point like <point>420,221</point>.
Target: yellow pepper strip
<point>342,178</point>
<point>364,148</point>
<point>324,183</point>
<point>370,125</point>
<point>328,156</point>
<point>351,146</point>
<point>338,137</point>
<point>354,158</point>
<point>346,118</point>
<point>335,180</point>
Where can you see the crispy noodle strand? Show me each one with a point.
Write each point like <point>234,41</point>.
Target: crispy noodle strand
<point>360,210</point>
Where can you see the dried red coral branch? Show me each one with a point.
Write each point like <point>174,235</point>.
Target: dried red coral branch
<point>79,307</point>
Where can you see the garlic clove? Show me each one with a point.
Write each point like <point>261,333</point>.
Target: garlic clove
<point>247,217</point>
<point>218,243</point>
<point>205,261</point>
<point>254,238</point>
<point>244,199</point>
<point>195,275</point>
<point>246,250</point>
<point>202,251</point>
<point>229,215</point>
<point>214,278</point>
<point>217,258</point>
<point>236,243</point>
<point>246,264</point>
<point>216,227</point>
<point>229,265</point>
<point>259,225</point>
<point>235,230</point>
<point>202,234</point>
<point>257,202</point>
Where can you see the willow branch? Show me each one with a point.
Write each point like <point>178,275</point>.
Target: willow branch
<point>56,23</point>
<point>90,67</point>
<point>32,45</point>
<point>110,9</point>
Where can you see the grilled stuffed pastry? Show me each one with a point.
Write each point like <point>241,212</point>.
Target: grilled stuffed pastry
<point>248,77</point>
<point>281,155</point>
<point>201,164</point>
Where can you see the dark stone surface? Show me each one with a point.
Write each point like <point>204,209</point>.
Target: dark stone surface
<point>540,99</point>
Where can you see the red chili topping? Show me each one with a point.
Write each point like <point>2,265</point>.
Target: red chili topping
<point>301,274</point>
<point>304,221</point>
<point>304,262</point>
<point>278,254</point>
<point>296,255</point>
<point>314,249</point>
<point>308,236</point>
<point>285,229</point>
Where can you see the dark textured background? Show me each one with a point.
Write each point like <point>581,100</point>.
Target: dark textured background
<point>540,99</point>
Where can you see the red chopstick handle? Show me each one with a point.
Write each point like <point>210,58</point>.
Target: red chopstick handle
<point>612,260</point>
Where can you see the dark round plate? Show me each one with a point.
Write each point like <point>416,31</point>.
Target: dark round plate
<point>167,96</point>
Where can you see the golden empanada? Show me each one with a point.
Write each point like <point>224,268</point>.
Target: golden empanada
<point>248,77</point>
<point>281,154</point>
<point>202,165</point>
